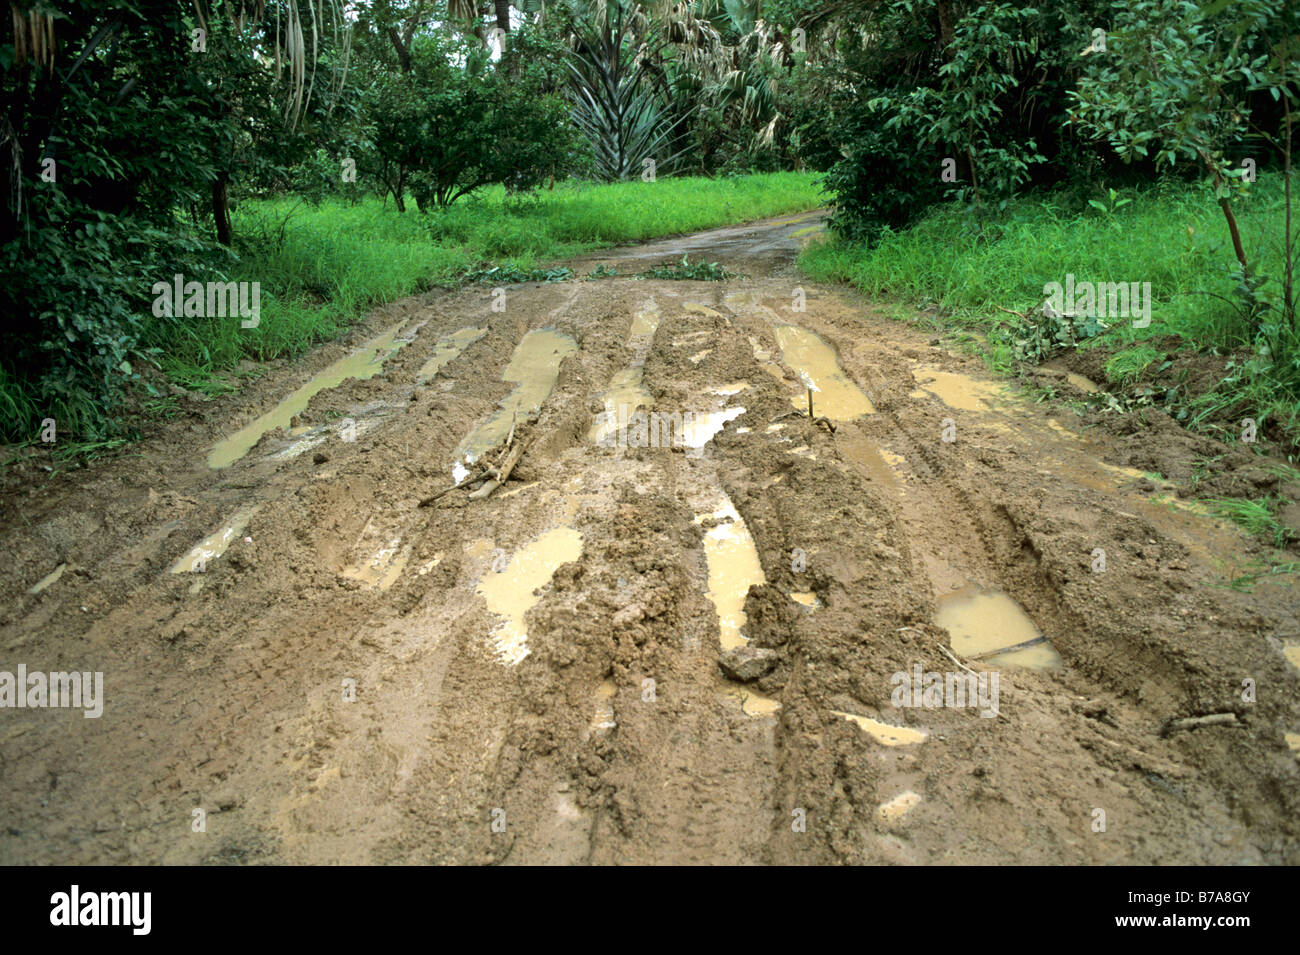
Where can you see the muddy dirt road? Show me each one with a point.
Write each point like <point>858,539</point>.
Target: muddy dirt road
<point>303,664</point>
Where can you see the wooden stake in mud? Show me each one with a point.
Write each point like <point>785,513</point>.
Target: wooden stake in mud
<point>811,416</point>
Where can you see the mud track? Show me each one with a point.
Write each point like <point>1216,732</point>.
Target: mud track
<point>341,675</point>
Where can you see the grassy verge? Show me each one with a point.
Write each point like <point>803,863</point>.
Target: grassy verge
<point>1171,235</point>
<point>320,267</point>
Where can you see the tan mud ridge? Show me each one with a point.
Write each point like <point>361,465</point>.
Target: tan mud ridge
<point>534,678</point>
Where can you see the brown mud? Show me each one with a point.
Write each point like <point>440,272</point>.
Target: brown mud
<point>333,673</point>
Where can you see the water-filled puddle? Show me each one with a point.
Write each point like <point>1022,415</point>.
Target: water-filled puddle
<point>367,362</point>
<point>836,397</point>
<point>703,425</point>
<point>884,733</point>
<point>956,390</point>
<point>215,544</point>
<point>898,807</point>
<point>699,309</point>
<point>534,368</point>
<point>752,704</point>
<point>48,579</point>
<point>604,718</point>
<point>734,567</point>
<point>447,349</point>
<point>990,626</point>
<point>509,594</point>
<point>626,392</point>
<point>808,599</point>
<point>734,388</point>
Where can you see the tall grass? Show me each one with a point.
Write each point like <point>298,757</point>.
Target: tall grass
<point>321,267</point>
<point>1171,235</point>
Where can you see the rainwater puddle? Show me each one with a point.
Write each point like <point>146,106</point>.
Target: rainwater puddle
<point>990,626</point>
<point>884,733</point>
<point>447,349</point>
<point>835,397</point>
<point>510,593</point>
<point>367,362</point>
<point>534,368</point>
<point>215,544</point>
<point>956,390</point>
<point>734,567</point>
<point>48,579</point>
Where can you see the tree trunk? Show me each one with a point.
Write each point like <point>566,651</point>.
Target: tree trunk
<point>221,209</point>
<point>503,14</point>
<point>946,30</point>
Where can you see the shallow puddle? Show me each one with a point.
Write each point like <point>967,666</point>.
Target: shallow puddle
<point>808,599</point>
<point>835,397</point>
<point>990,626</point>
<point>898,807</point>
<point>879,465</point>
<point>734,567</point>
<point>956,390</point>
<point>699,309</point>
<point>48,579</point>
<point>604,718</point>
<point>734,388</point>
<point>700,430</point>
<point>447,349</point>
<point>509,594</point>
<point>626,392</point>
<point>534,368</point>
<point>367,362</point>
<point>884,733</point>
<point>215,544</point>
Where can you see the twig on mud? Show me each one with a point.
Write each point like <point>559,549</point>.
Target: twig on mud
<point>478,475</point>
<point>491,476</point>
<point>498,475</point>
<point>952,658</point>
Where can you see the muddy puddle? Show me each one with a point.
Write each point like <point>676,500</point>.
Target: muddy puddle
<point>215,544</point>
<point>885,733</point>
<point>734,567</point>
<point>835,396</point>
<point>48,580</point>
<point>510,593</point>
<point>627,392</point>
<point>448,348</point>
<point>534,368</point>
<point>366,362</point>
<point>898,807</point>
<point>956,390</point>
<point>989,626</point>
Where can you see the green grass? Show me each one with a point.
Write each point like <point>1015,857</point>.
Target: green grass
<point>1258,516</point>
<point>321,267</point>
<point>1171,235</point>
